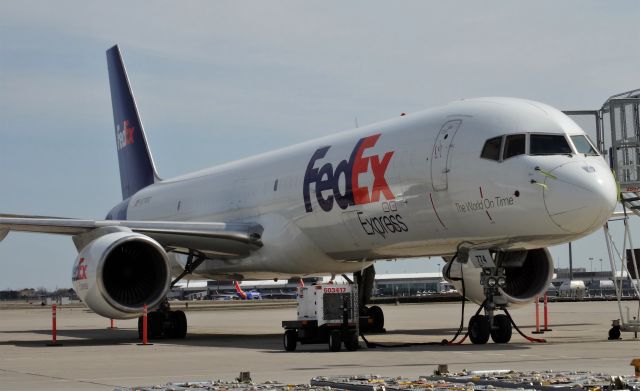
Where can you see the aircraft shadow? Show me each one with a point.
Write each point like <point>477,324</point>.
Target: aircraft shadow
<point>450,332</point>
<point>269,343</point>
<point>79,337</point>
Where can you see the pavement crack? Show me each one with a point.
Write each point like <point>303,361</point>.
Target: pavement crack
<point>57,378</point>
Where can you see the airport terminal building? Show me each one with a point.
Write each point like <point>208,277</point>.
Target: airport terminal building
<point>595,283</point>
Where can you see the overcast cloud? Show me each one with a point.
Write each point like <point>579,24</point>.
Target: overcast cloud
<point>222,80</point>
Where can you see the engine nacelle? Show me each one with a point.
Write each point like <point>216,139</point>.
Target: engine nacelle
<point>528,275</point>
<point>117,274</point>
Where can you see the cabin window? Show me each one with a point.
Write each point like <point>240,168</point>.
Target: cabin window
<point>514,145</point>
<point>584,145</point>
<point>549,144</point>
<point>491,149</point>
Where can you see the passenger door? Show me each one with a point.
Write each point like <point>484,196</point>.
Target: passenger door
<point>440,156</point>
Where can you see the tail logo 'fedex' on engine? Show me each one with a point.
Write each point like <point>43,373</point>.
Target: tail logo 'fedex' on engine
<point>80,271</point>
<point>124,134</point>
<point>326,178</point>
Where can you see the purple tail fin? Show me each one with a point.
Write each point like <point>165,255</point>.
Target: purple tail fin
<point>137,169</point>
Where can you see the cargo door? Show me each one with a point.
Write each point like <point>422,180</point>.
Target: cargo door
<point>440,156</point>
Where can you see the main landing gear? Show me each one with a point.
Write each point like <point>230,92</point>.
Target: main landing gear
<point>371,318</point>
<point>164,322</point>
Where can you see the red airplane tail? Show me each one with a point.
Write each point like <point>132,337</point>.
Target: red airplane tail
<point>242,294</point>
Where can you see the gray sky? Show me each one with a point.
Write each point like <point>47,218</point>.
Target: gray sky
<point>217,81</point>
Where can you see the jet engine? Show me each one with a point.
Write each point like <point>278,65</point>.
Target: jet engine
<point>522,276</point>
<point>118,273</point>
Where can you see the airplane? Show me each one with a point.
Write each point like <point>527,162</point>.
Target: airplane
<point>486,183</point>
<point>251,295</point>
<point>574,288</point>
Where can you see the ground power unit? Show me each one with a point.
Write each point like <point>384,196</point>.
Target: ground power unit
<point>327,313</point>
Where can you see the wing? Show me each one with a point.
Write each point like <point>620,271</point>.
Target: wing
<point>222,239</point>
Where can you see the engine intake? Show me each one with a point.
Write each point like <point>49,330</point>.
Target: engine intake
<point>118,273</point>
<point>531,278</point>
<point>528,275</point>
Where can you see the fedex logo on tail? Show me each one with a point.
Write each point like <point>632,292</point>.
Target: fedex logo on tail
<point>124,134</point>
<point>326,178</point>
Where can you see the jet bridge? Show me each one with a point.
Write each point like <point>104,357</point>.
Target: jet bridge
<point>617,127</point>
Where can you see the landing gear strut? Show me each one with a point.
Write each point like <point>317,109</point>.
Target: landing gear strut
<point>164,322</point>
<point>498,327</point>
<point>371,318</point>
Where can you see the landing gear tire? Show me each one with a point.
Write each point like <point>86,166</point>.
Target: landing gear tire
<point>335,340</point>
<point>479,329</point>
<point>290,340</point>
<point>377,317</point>
<point>155,322</point>
<point>351,343</point>
<point>501,331</point>
<point>171,325</point>
<point>140,327</point>
<point>179,321</point>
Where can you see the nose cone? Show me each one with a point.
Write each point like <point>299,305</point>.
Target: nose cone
<point>582,197</point>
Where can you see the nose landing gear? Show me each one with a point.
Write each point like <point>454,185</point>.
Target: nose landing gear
<point>492,279</point>
<point>498,327</point>
<point>480,329</point>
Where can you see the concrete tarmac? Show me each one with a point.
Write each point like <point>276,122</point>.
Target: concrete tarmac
<point>222,343</point>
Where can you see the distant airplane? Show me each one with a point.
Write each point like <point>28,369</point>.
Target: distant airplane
<point>575,288</point>
<point>486,183</point>
<point>572,286</point>
<point>251,295</point>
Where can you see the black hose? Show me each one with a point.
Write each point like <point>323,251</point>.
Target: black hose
<point>444,341</point>
<point>447,275</point>
<point>464,299</point>
<point>513,323</point>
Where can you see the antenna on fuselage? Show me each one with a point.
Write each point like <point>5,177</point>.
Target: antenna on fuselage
<point>356,121</point>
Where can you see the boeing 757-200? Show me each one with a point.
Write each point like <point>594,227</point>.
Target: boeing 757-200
<point>486,183</point>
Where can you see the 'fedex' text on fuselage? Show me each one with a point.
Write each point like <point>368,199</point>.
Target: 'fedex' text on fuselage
<point>326,178</point>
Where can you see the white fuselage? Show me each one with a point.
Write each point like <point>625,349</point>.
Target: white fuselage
<point>411,186</point>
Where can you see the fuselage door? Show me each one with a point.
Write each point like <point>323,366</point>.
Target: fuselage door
<point>440,156</point>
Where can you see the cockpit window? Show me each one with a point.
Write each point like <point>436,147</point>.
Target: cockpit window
<point>549,144</point>
<point>583,145</point>
<point>514,145</point>
<point>491,149</point>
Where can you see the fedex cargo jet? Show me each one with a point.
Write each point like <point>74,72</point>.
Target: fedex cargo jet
<point>486,183</point>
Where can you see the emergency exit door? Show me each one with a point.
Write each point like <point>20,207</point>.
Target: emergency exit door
<point>441,156</point>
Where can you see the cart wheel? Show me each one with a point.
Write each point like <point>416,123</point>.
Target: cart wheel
<point>351,343</point>
<point>334,340</point>
<point>377,316</point>
<point>290,340</point>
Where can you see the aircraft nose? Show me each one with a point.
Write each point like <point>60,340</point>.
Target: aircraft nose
<point>580,196</point>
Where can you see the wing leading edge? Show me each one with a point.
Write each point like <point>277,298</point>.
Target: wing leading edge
<point>216,238</point>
